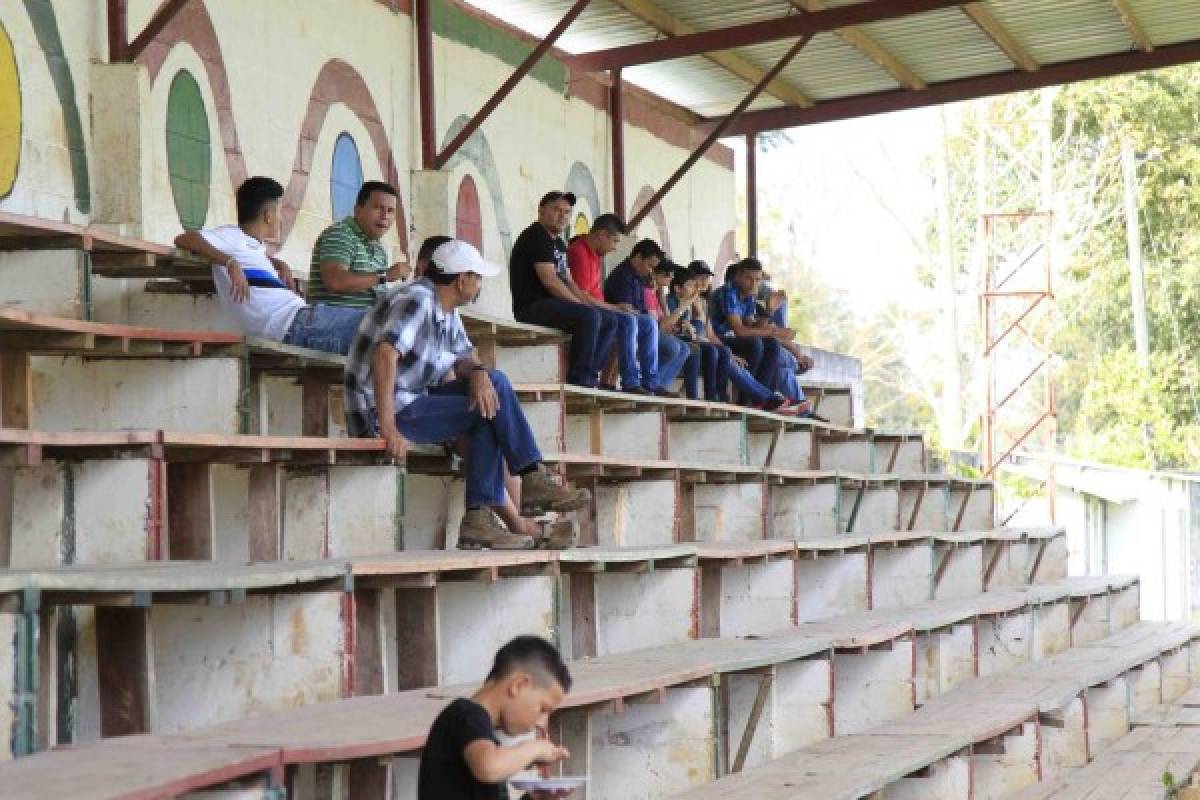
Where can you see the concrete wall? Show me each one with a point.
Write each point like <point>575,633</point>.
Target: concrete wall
<point>650,751</point>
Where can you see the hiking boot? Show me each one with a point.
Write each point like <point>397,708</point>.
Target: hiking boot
<point>540,495</point>
<point>482,529</point>
<point>663,391</point>
<point>562,534</point>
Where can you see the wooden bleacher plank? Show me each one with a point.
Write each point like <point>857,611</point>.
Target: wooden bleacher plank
<point>857,765</point>
<point>841,767</point>
<point>1132,767</point>
<point>133,768</point>
<point>507,332</point>
<point>42,333</point>
<point>744,550</point>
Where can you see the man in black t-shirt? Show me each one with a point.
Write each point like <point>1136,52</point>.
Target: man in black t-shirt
<point>544,293</point>
<point>463,758</point>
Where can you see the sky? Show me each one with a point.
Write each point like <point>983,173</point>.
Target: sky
<point>849,195</point>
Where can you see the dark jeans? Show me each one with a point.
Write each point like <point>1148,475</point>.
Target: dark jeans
<point>719,368</point>
<point>443,414</point>
<point>636,342</point>
<point>591,334</point>
<point>761,354</point>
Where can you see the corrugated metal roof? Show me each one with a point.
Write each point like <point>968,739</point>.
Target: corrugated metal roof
<point>938,46</point>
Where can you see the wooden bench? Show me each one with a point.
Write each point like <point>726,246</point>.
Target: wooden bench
<point>1136,765</point>
<point>21,232</point>
<point>970,721</point>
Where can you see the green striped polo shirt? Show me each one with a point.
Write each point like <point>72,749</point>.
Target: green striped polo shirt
<point>346,242</point>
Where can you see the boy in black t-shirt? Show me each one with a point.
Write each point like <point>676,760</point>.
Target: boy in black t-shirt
<point>463,758</point>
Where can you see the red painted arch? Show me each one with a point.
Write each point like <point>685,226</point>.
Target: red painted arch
<point>468,223</point>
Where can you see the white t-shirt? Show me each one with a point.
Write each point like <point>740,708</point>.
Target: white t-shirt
<point>267,312</point>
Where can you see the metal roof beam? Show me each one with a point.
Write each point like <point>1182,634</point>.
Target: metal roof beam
<point>987,23</point>
<point>1133,25</point>
<point>965,89</point>
<point>506,88</point>
<point>866,44</point>
<point>773,30</point>
<point>162,17</point>
<point>719,129</point>
<point>671,25</point>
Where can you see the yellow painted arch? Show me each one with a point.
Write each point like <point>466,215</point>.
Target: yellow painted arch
<point>10,115</point>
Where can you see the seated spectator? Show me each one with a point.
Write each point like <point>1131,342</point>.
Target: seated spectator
<point>712,358</point>
<point>625,288</point>
<point>463,758</point>
<point>349,262</point>
<point>584,256</point>
<point>258,290</point>
<point>772,306</point>
<point>735,319</point>
<point>409,341</point>
<point>544,293</point>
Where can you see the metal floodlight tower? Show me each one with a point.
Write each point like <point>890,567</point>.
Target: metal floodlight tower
<point>1017,303</point>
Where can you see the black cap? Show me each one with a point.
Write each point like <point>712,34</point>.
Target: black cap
<point>666,266</point>
<point>554,196</point>
<point>682,275</point>
<point>699,267</point>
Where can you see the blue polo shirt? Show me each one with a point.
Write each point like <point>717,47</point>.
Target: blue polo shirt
<point>623,286</point>
<point>727,301</point>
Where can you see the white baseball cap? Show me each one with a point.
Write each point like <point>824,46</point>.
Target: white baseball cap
<point>456,257</point>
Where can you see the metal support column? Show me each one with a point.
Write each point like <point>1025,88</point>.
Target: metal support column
<point>118,30</point>
<point>752,194</point>
<point>424,25</point>
<point>616,110</point>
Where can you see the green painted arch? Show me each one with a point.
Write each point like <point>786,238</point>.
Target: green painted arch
<point>10,115</point>
<point>189,150</point>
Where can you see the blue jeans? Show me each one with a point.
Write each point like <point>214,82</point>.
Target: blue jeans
<point>786,382</point>
<point>324,327</point>
<point>672,353</point>
<point>591,334</point>
<point>637,348</point>
<point>691,372</point>
<point>780,316</point>
<point>725,370</point>
<point>761,354</point>
<point>442,414</point>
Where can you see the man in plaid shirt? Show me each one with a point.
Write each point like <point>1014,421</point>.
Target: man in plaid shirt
<point>407,343</point>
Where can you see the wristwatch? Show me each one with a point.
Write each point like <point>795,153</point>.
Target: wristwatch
<point>383,279</point>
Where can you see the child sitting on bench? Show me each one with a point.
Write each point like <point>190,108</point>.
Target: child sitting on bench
<point>463,757</point>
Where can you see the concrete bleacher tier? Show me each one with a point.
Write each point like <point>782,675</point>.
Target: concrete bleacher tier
<point>208,587</point>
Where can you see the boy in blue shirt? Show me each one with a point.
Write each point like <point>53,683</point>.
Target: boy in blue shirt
<point>661,355</point>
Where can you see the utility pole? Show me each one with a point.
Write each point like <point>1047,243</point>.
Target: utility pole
<point>1133,240</point>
